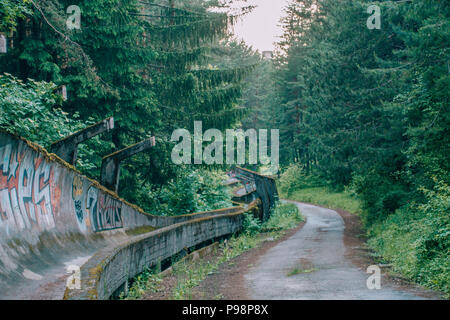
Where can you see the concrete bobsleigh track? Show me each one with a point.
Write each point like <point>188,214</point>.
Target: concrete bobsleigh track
<point>53,217</point>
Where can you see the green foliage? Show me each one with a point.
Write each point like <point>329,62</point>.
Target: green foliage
<point>11,11</point>
<point>31,110</point>
<point>145,282</point>
<point>189,192</point>
<point>294,177</point>
<point>283,217</point>
<point>189,276</point>
<point>251,225</point>
<point>365,107</point>
<point>345,200</point>
<point>380,196</point>
<point>416,240</point>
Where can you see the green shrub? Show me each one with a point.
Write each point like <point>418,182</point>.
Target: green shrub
<point>283,217</point>
<point>295,178</point>
<point>416,240</point>
<point>251,225</point>
<point>189,192</point>
<point>30,110</point>
<point>345,200</point>
<point>380,196</point>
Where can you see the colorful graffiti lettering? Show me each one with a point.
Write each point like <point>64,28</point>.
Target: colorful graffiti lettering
<point>25,197</point>
<point>98,211</point>
<point>106,212</point>
<point>77,195</point>
<point>109,213</point>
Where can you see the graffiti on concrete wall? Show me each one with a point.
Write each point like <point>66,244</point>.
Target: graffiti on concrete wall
<point>81,215</point>
<point>95,210</point>
<point>28,195</point>
<point>108,214</point>
<point>30,198</point>
<point>25,189</point>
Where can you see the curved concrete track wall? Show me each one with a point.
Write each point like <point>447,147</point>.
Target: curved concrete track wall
<point>260,186</point>
<point>51,215</point>
<point>110,268</point>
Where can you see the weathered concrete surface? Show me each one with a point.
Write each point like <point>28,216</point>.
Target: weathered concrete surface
<point>51,215</point>
<point>318,250</point>
<point>264,186</point>
<point>111,267</point>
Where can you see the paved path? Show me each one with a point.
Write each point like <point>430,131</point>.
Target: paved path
<point>317,253</point>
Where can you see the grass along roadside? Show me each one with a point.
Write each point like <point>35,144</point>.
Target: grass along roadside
<point>344,200</point>
<point>188,274</point>
<point>411,240</point>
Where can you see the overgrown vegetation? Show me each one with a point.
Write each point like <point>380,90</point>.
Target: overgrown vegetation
<point>32,109</point>
<point>154,65</point>
<point>191,191</point>
<point>295,184</point>
<point>415,239</point>
<point>190,274</point>
<point>363,114</point>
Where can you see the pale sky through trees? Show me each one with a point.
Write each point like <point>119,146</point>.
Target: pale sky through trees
<point>260,28</point>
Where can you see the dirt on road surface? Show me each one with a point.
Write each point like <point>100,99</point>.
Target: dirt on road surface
<point>325,259</point>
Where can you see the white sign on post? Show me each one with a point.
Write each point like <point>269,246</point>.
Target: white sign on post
<point>3,47</point>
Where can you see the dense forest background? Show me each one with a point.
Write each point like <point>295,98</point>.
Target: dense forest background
<point>367,111</point>
<point>359,109</point>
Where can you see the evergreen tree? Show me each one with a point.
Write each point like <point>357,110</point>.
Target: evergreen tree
<point>363,106</point>
<point>144,62</point>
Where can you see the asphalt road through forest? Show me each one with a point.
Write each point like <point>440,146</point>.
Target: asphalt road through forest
<point>313,264</point>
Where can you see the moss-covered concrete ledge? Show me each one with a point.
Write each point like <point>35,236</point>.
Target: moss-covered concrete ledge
<point>110,268</point>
